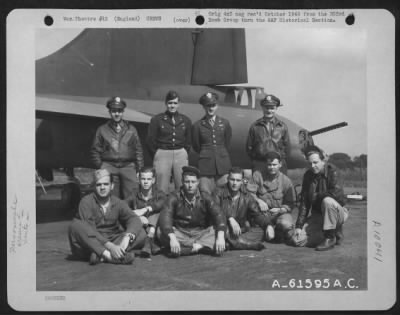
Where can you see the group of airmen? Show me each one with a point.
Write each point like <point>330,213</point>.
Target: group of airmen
<point>213,208</point>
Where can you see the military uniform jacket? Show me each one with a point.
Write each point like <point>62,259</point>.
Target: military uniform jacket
<point>164,134</point>
<point>181,214</point>
<point>260,140</point>
<point>156,202</point>
<point>107,226</point>
<point>212,143</point>
<point>247,207</point>
<point>277,192</point>
<point>315,188</point>
<point>117,148</point>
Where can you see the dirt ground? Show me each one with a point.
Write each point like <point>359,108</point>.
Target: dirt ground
<point>345,266</point>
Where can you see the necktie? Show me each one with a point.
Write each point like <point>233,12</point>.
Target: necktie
<point>173,119</point>
<point>211,121</point>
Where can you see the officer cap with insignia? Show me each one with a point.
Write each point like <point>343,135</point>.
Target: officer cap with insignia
<point>190,170</point>
<point>269,100</point>
<point>116,103</point>
<point>208,99</point>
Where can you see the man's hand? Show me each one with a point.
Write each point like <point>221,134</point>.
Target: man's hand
<point>144,220</point>
<point>274,211</point>
<point>235,226</point>
<point>220,243</point>
<point>116,251</point>
<point>174,244</point>
<point>140,212</point>
<point>297,232</point>
<point>262,204</point>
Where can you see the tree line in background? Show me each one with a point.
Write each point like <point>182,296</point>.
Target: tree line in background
<point>343,161</point>
<point>353,171</point>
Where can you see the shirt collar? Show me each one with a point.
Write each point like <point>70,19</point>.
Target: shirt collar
<point>190,202</point>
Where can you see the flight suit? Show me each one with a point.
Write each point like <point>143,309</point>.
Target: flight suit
<point>169,141</point>
<point>277,192</point>
<point>212,143</point>
<point>92,228</point>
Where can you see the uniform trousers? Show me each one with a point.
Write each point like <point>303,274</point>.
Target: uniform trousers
<point>188,236</point>
<point>209,183</point>
<point>125,179</point>
<point>332,216</point>
<point>167,163</point>
<point>83,241</point>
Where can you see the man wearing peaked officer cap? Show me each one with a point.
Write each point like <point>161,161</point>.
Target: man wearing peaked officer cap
<point>211,137</point>
<point>267,134</point>
<point>116,103</point>
<point>188,218</point>
<point>117,148</point>
<point>95,233</point>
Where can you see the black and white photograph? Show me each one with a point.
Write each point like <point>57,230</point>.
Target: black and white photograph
<point>228,156</point>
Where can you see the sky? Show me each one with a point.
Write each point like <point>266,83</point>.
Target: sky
<point>320,77</point>
<point>318,74</point>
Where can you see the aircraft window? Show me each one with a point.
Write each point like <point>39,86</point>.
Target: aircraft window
<point>244,100</point>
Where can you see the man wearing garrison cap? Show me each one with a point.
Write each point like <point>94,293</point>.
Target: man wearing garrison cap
<point>267,134</point>
<point>117,148</point>
<point>188,218</point>
<point>211,137</point>
<point>323,196</point>
<point>95,233</point>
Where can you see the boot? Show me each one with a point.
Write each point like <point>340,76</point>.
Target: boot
<point>146,250</point>
<point>155,249</point>
<point>185,251</point>
<point>126,260</point>
<point>241,244</point>
<point>329,241</point>
<point>339,234</point>
<point>94,259</point>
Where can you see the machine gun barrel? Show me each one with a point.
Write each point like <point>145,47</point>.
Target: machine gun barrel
<point>329,128</point>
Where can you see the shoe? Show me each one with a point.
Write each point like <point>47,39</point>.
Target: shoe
<point>269,233</point>
<point>206,251</point>
<point>339,235</point>
<point>94,259</point>
<point>185,251</point>
<point>146,250</point>
<point>329,241</point>
<point>240,244</point>
<point>126,260</point>
<point>327,244</point>
<point>155,249</point>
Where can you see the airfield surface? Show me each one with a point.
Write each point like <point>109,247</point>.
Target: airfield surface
<point>345,266</point>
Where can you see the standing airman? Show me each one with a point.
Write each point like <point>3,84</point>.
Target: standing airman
<point>211,137</point>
